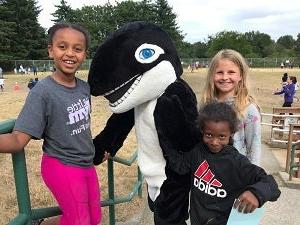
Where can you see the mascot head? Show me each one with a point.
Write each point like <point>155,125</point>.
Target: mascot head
<point>134,65</point>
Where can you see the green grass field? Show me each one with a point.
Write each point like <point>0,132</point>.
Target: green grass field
<point>263,83</point>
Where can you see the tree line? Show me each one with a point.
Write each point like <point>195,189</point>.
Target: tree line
<point>22,37</point>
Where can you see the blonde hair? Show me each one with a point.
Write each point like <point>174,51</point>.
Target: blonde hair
<point>242,97</point>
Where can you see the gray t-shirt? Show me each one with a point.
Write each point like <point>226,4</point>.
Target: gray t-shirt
<point>61,116</point>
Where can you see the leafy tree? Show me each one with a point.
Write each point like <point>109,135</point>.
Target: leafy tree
<point>297,45</point>
<point>166,19</point>
<point>282,52</point>
<point>158,12</point>
<point>102,20</point>
<point>186,50</point>
<point>6,33</point>
<point>287,41</point>
<point>262,44</point>
<point>98,21</point>
<point>200,49</point>
<point>29,40</point>
<point>129,11</point>
<point>64,12</point>
<point>21,37</point>
<point>231,40</point>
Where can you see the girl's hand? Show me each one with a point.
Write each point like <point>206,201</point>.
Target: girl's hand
<point>106,156</point>
<point>246,202</point>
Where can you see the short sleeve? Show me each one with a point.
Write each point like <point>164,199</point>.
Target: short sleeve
<point>32,118</point>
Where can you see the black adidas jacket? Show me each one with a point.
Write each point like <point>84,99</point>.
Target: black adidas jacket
<point>219,178</point>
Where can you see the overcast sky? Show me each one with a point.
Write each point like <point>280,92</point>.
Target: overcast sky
<point>200,18</point>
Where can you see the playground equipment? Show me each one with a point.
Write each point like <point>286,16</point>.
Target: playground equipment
<point>293,153</point>
<point>27,214</point>
<point>279,123</point>
<point>285,133</point>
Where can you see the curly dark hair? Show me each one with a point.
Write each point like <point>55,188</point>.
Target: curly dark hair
<point>284,77</point>
<point>218,111</point>
<point>61,25</point>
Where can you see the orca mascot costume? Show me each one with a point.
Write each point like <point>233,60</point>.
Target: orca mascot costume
<point>138,71</point>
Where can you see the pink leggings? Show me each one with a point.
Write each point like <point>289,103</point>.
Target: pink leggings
<point>76,189</point>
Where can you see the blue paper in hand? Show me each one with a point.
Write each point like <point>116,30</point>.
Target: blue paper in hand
<point>237,218</point>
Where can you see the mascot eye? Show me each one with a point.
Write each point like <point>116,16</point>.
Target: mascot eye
<point>148,53</point>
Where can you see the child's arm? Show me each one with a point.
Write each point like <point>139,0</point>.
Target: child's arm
<point>279,92</point>
<point>179,162</point>
<point>111,138</point>
<point>261,185</point>
<point>265,189</point>
<point>13,142</point>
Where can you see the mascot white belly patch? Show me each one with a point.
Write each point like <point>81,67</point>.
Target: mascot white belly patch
<point>149,149</point>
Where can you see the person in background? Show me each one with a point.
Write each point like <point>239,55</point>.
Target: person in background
<point>2,84</point>
<point>288,91</point>
<point>27,70</point>
<point>34,69</point>
<point>284,79</point>
<point>22,70</point>
<point>227,81</point>
<point>219,173</point>
<point>1,80</point>
<point>57,110</point>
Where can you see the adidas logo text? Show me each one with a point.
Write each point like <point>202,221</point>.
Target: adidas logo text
<point>208,189</point>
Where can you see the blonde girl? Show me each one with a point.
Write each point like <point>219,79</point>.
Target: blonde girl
<point>227,81</point>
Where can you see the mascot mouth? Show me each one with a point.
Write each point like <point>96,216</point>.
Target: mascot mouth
<point>120,93</point>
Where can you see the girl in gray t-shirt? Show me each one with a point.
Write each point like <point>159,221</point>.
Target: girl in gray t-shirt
<point>57,110</point>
